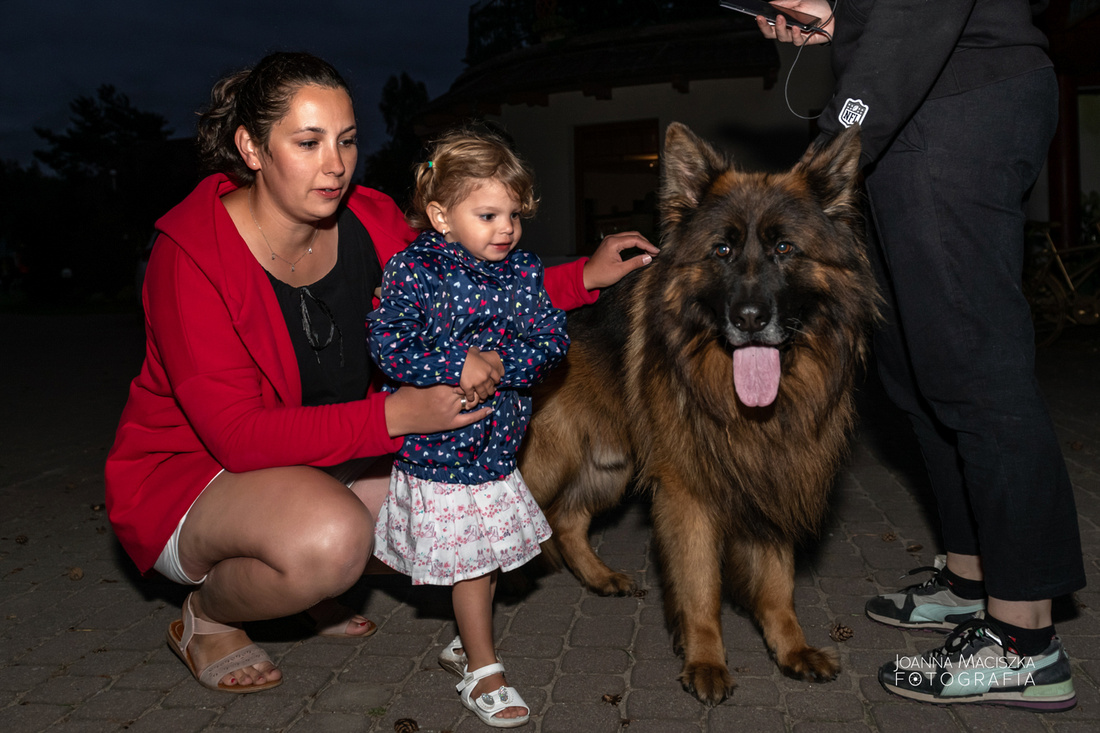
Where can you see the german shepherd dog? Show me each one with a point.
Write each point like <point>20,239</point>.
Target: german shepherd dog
<point>719,378</point>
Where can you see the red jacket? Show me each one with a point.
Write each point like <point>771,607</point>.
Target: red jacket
<point>220,386</point>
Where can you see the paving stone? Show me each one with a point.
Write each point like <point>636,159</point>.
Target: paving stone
<point>754,692</point>
<point>178,720</point>
<point>327,656</point>
<point>830,705</point>
<point>664,726</point>
<point>65,690</point>
<point>755,719</point>
<point>662,705</point>
<point>66,647</point>
<point>575,717</point>
<point>260,711</point>
<point>605,631</point>
<point>28,717</point>
<point>430,717</point>
<point>905,717</point>
<point>352,698</point>
<point>539,647</point>
<point>537,622</point>
<point>378,669</point>
<point>655,673</point>
<point>819,726</point>
<point>524,672</point>
<point>154,676</point>
<point>108,663</point>
<point>118,706</point>
<point>19,678</point>
<point>595,661</point>
<point>587,688</point>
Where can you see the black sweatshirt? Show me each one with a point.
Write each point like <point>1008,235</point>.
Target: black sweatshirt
<point>891,55</point>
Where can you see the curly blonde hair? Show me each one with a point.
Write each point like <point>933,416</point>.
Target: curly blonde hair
<point>460,161</point>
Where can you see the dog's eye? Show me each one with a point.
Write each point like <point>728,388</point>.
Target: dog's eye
<point>784,248</point>
<point>722,249</point>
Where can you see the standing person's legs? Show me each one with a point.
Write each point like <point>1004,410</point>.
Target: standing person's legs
<point>271,543</point>
<point>952,592</point>
<point>473,605</point>
<point>948,202</point>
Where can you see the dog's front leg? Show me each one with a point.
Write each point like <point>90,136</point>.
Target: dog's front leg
<point>689,543</point>
<point>770,570</point>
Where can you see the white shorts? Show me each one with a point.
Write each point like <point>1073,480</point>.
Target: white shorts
<point>168,564</point>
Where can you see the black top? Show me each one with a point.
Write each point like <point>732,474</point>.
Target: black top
<point>327,319</point>
<point>890,57</point>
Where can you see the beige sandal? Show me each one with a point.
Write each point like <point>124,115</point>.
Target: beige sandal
<point>180,634</point>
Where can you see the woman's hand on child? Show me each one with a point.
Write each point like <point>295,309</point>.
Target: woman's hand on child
<point>481,374</point>
<point>425,410</point>
<point>607,267</point>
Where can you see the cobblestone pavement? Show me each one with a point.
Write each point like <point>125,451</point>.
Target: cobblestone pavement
<point>82,636</point>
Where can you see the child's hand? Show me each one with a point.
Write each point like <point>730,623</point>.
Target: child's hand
<point>480,375</point>
<point>606,266</point>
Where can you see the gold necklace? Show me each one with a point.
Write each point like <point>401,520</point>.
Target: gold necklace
<point>273,253</point>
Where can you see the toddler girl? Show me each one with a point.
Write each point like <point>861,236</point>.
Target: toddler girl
<point>462,306</point>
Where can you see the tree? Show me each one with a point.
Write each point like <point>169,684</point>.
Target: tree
<point>113,169</point>
<point>105,129</point>
<point>390,168</point>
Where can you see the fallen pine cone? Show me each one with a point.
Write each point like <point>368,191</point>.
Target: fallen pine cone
<point>889,536</point>
<point>405,725</point>
<point>76,573</point>
<point>613,699</point>
<point>840,632</point>
<point>21,539</point>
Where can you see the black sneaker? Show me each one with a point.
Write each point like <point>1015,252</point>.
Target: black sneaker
<point>973,666</point>
<point>927,605</point>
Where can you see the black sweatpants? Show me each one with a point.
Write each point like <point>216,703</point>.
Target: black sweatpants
<point>957,354</point>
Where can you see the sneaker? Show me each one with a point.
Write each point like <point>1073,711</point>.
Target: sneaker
<point>973,666</point>
<point>927,605</point>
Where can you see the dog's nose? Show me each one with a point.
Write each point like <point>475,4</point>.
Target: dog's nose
<point>751,317</point>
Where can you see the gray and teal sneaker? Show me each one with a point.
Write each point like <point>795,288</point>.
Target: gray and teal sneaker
<point>927,605</point>
<point>974,666</point>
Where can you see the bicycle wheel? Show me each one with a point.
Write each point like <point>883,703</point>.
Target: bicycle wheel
<point>1049,304</point>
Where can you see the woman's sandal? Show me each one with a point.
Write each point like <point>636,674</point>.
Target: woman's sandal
<point>334,621</point>
<point>180,634</point>
<point>488,704</point>
<point>453,660</point>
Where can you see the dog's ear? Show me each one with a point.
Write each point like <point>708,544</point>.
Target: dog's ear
<point>832,171</point>
<point>690,165</point>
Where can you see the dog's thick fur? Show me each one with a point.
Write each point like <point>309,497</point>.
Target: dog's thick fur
<point>647,394</point>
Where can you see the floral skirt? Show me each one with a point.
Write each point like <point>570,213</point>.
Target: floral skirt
<point>439,533</point>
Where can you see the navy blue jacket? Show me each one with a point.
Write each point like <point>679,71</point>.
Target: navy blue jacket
<point>437,302</point>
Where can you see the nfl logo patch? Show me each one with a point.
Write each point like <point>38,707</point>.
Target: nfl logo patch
<point>853,112</point>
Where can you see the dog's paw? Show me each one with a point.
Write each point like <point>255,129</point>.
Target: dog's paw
<point>711,683</point>
<point>613,584</point>
<point>809,663</point>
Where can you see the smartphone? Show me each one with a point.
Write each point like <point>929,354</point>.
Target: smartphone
<point>771,12</point>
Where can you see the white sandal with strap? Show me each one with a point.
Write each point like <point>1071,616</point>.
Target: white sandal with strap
<point>453,660</point>
<point>180,634</point>
<point>488,704</point>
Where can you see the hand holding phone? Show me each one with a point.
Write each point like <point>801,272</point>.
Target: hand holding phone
<point>770,12</point>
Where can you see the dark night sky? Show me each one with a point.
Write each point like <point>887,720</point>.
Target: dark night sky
<point>166,54</point>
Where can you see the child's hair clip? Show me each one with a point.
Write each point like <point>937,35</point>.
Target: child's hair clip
<point>431,163</point>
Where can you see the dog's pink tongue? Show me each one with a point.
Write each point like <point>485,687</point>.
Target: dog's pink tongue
<point>756,374</point>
